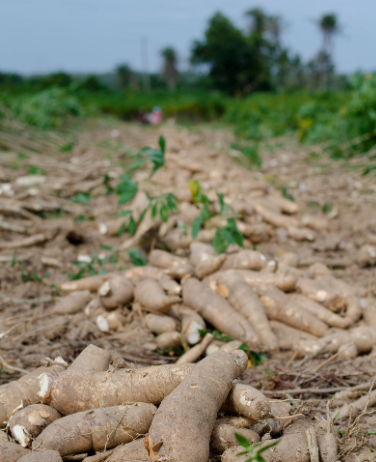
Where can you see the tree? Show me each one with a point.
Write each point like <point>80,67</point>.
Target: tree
<point>58,79</point>
<point>170,72</point>
<point>265,33</point>
<point>124,75</point>
<point>229,55</point>
<point>329,28</point>
<point>258,22</point>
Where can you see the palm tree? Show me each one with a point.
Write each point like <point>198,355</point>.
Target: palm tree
<point>170,71</point>
<point>329,28</point>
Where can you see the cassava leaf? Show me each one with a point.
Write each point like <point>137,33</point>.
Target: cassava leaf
<point>121,229</point>
<point>196,226</point>
<point>162,143</point>
<point>163,211</point>
<point>137,258</point>
<point>132,226</point>
<point>243,441</point>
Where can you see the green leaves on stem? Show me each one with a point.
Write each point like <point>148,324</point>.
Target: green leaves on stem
<point>253,450</point>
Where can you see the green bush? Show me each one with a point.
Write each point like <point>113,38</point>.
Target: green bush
<point>46,109</point>
<point>344,121</point>
<point>192,106</point>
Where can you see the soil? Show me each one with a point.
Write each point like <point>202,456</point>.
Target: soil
<point>68,197</point>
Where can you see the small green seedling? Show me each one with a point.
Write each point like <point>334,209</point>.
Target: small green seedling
<point>253,450</point>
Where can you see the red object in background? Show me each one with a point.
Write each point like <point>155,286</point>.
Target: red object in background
<point>153,118</point>
<point>156,116</point>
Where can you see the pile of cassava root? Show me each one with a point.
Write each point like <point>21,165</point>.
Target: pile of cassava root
<point>264,305</point>
<point>93,411</point>
<point>301,293</point>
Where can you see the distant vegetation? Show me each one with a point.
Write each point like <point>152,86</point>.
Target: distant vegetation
<point>250,81</point>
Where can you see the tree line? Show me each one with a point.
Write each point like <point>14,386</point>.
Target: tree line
<point>229,59</point>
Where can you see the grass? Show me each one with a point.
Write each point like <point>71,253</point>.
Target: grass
<point>344,123</point>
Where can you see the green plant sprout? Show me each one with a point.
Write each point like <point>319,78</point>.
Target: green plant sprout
<point>253,450</point>
<point>224,235</point>
<point>137,258</point>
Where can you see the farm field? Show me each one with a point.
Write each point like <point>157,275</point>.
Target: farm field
<point>256,263</point>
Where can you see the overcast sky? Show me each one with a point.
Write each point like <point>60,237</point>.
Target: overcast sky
<point>38,36</point>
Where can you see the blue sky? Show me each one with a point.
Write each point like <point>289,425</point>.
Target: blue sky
<point>38,36</point>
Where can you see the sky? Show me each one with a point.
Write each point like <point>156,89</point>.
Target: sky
<point>40,36</point>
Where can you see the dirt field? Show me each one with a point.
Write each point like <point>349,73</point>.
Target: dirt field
<point>58,218</point>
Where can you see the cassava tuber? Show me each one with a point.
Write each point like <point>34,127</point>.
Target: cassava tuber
<point>191,409</point>
<point>96,429</point>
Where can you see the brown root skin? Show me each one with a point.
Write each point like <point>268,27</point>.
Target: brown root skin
<point>170,285</point>
<point>24,390</point>
<point>242,297</point>
<point>322,313</point>
<point>191,409</point>
<point>158,323</point>
<point>245,259</point>
<point>237,421</point>
<point>285,205</point>
<point>231,455</point>
<point>140,273</point>
<point>327,442</point>
<point>364,338</point>
<point>289,259</point>
<point>314,222</point>
<point>181,271</point>
<point>165,260</point>
<point>289,337</point>
<point>369,312</point>
<point>209,266</point>
<point>231,346</point>
<point>26,424</point>
<point>192,323</point>
<point>319,269</point>
<point>366,256</point>
<point>274,218</point>
<point>92,358</point>
<point>223,437</point>
<point>96,429</point>
<point>214,347</point>
<point>116,291</point>
<point>73,303</point>
<point>196,352</point>
<point>152,297</point>
<point>11,452</point>
<point>321,291</point>
<point>204,259</point>
<point>352,302</point>
<point>134,451</point>
<point>168,340</point>
<point>91,283</point>
<point>177,239</point>
<point>110,321</point>
<point>301,234</point>
<point>292,445</point>
<point>277,421</point>
<point>247,401</point>
<point>280,307</point>
<point>218,312</point>
<point>110,227</point>
<point>76,391</point>
<point>45,456</point>
<point>284,282</point>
